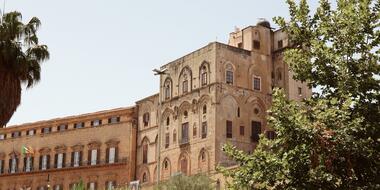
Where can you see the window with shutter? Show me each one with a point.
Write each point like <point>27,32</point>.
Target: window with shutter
<point>94,157</point>
<point>256,130</point>
<point>229,129</point>
<point>111,155</point>
<point>204,129</point>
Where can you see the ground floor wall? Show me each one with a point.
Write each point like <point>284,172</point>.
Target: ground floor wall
<point>118,175</point>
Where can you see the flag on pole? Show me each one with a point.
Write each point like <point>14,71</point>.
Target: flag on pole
<point>27,150</point>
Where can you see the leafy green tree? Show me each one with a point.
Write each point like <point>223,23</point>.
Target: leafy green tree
<point>183,182</point>
<point>20,59</point>
<point>330,141</point>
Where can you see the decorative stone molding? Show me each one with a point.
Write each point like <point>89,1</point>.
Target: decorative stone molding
<point>77,147</point>
<point>112,143</point>
<point>60,149</point>
<point>94,145</point>
<point>44,150</point>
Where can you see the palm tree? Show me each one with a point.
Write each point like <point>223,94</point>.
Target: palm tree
<point>20,59</point>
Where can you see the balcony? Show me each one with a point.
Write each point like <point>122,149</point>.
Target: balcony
<point>184,141</point>
<point>69,166</point>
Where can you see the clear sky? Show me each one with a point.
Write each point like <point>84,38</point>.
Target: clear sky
<point>103,52</point>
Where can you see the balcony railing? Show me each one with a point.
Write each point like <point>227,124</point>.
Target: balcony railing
<point>70,165</point>
<point>184,141</point>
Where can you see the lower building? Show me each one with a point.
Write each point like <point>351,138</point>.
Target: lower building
<point>97,149</point>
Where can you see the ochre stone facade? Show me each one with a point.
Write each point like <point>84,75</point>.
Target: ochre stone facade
<point>214,95</point>
<point>103,131</point>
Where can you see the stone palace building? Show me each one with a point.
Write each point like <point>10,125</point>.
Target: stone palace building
<point>216,94</point>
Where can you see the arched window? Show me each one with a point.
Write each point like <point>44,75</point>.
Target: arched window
<point>204,75</point>
<point>166,164</point>
<point>145,152</point>
<point>144,178</point>
<point>194,131</point>
<point>168,88</point>
<point>185,84</point>
<point>185,114</point>
<point>174,136</point>
<point>146,119</point>
<point>229,74</point>
<point>167,121</point>
<point>185,80</point>
<point>204,109</point>
<point>203,156</point>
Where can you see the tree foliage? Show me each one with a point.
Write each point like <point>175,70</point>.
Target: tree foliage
<point>20,59</point>
<point>330,141</point>
<point>183,182</point>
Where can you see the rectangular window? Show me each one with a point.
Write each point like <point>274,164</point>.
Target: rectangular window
<point>96,122</point>
<point>299,91</point>
<point>76,157</point>
<point>229,129</point>
<point>31,132</point>
<point>256,130</point>
<point>2,136</point>
<point>62,127</point>
<point>28,164</point>
<point>110,185</point>
<point>167,92</point>
<point>242,130</point>
<point>44,162</point>
<point>78,125</point>
<point>111,155</point>
<point>145,153</point>
<point>59,160</point>
<point>185,87</point>
<point>185,133</point>
<point>279,44</point>
<point>256,83</point>
<point>94,157</point>
<point>167,138</point>
<point>92,186</point>
<point>204,78</point>
<point>13,165</point>
<point>114,120</point>
<point>46,130</point>
<point>229,77</point>
<point>204,129</point>
<point>256,44</point>
<point>16,134</point>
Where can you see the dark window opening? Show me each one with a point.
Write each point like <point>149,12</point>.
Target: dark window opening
<point>229,129</point>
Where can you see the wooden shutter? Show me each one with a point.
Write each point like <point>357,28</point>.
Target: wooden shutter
<point>56,160</point>
<point>64,160</point>
<point>24,168</point>
<point>32,163</point>
<point>89,155</point>
<point>80,157</point>
<point>107,155</point>
<point>72,159</point>
<point>98,156</point>
<point>40,163</point>
<point>10,165</point>
<point>116,154</point>
<point>48,162</point>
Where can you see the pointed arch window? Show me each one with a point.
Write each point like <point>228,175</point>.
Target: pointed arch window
<point>204,75</point>
<point>167,89</point>
<point>146,119</point>
<point>204,109</point>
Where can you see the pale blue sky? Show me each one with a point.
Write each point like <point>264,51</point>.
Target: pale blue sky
<point>103,52</point>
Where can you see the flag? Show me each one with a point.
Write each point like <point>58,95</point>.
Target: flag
<point>27,150</point>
